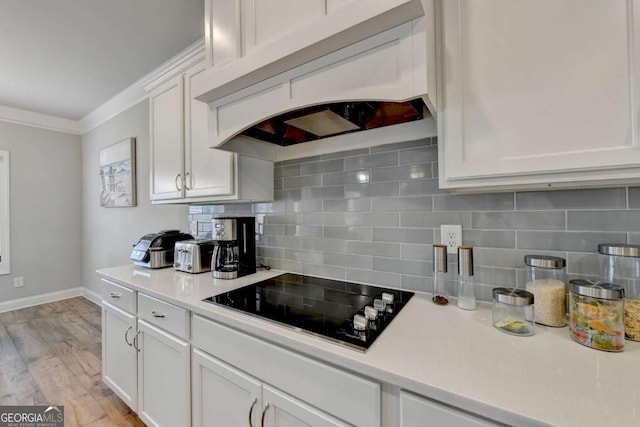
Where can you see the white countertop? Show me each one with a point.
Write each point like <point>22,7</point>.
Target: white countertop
<point>447,354</point>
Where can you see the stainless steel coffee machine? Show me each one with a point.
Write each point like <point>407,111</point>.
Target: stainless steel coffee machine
<point>235,252</point>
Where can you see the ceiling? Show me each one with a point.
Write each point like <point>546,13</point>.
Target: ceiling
<point>67,57</point>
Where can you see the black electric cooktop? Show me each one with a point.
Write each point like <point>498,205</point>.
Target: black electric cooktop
<point>347,313</point>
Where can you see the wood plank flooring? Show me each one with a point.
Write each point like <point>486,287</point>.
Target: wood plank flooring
<point>51,354</point>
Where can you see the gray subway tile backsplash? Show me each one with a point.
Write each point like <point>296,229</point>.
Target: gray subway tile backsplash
<point>597,198</point>
<point>371,161</point>
<point>371,215</point>
<point>473,202</point>
<point>541,220</point>
<point>613,220</point>
<point>570,241</point>
<point>418,155</point>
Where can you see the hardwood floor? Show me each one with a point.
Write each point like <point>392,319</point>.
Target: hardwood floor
<point>51,354</point>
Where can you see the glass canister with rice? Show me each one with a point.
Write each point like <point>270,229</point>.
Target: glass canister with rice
<point>620,265</point>
<point>546,280</point>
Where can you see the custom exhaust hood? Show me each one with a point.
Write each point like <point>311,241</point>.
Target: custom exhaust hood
<point>375,86</point>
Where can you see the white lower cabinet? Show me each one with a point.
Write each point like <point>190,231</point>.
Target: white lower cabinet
<point>421,412</point>
<point>226,396</point>
<point>296,390</point>
<point>119,357</point>
<point>282,410</point>
<point>164,397</point>
<point>223,395</point>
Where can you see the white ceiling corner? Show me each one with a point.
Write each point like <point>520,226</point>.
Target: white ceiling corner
<point>68,64</point>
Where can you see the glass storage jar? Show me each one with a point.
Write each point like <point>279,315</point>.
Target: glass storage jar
<point>513,311</point>
<point>596,313</point>
<point>620,265</point>
<point>546,280</point>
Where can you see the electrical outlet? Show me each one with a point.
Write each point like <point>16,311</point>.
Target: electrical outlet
<point>18,282</point>
<point>451,235</point>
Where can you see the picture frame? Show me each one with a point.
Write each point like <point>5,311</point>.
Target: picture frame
<point>118,174</point>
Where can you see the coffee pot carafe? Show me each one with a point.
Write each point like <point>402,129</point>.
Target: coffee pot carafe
<point>235,251</point>
<point>225,259</point>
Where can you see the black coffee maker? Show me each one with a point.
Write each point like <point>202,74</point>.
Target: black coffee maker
<point>235,252</point>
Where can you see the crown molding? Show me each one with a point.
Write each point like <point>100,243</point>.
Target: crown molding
<point>138,91</point>
<point>39,120</point>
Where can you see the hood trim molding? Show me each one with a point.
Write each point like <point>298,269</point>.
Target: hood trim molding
<point>411,131</point>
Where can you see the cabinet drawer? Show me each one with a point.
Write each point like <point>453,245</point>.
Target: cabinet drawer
<point>341,394</point>
<point>119,296</point>
<point>167,316</point>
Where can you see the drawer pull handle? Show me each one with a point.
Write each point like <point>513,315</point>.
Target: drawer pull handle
<point>126,335</point>
<point>156,314</point>
<point>115,295</point>
<point>135,340</point>
<point>264,413</point>
<point>253,403</point>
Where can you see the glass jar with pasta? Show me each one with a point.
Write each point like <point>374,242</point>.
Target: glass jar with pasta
<point>620,265</point>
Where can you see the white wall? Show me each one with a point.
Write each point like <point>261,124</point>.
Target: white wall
<point>109,233</point>
<point>46,210</point>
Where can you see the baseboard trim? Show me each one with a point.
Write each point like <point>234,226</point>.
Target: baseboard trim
<point>92,296</point>
<point>19,303</point>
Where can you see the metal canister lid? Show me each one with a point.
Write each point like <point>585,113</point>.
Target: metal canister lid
<point>512,296</point>
<point>545,261</point>
<point>465,260</point>
<point>439,258</point>
<point>619,249</point>
<point>600,290</point>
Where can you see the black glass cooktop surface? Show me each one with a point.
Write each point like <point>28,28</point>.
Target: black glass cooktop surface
<point>322,307</point>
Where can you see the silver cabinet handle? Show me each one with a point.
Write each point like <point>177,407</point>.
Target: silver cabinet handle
<point>126,335</point>
<point>264,413</point>
<point>253,403</point>
<point>176,182</point>
<point>186,180</point>
<point>135,341</point>
<point>156,314</point>
<point>115,295</point>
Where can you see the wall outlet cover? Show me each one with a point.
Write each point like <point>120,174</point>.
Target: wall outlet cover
<point>18,282</point>
<point>451,235</point>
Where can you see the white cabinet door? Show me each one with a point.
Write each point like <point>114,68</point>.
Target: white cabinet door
<point>208,172</point>
<point>223,395</point>
<point>419,412</point>
<point>119,358</point>
<point>222,31</point>
<point>166,140</point>
<point>266,21</point>
<point>538,92</point>
<point>282,410</point>
<point>164,393</point>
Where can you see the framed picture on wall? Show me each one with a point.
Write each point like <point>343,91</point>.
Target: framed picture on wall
<point>118,174</point>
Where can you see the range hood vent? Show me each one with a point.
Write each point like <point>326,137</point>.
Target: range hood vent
<point>322,121</point>
<point>383,84</point>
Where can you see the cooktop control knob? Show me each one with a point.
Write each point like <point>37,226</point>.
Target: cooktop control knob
<point>176,264</point>
<point>370,313</point>
<point>379,305</point>
<point>359,322</point>
<point>387,298</point>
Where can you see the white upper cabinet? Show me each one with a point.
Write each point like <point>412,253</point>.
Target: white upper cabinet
<point>538,94</point>
<point>183,168</point>
<point>167,140</point>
